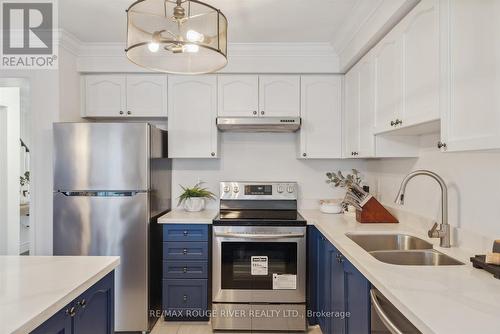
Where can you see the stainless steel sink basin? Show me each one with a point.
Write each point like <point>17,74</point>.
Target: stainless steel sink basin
<point>428,257</point>
<point>378,242</point>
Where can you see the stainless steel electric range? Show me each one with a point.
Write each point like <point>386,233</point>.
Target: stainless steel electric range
<point>259,258</point>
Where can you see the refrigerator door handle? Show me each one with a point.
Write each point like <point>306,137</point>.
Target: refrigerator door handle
<point>100,193</point>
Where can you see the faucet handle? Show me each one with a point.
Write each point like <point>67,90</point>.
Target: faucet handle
<point>432,231</point>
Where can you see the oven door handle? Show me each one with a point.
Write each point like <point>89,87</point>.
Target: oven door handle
<point>259,236</point>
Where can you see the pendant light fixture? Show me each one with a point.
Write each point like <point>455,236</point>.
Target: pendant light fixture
<point>176,36</point>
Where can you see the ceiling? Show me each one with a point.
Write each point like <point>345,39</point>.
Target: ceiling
<point>250,21</point>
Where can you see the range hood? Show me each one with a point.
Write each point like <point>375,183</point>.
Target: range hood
<point>259,124</point>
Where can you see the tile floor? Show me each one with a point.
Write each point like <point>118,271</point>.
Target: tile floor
<point>171,327</point>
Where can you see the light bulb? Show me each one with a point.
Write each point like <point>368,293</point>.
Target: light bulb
<point>194,36</point>
<point>190,48</point>
<point>154,47</point>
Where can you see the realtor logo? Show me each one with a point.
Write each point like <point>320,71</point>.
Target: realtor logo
<point>29,33</point>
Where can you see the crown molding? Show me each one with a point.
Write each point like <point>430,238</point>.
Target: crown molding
<point>243,57</point>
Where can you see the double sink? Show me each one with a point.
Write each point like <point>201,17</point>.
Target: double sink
<point>402,249</point>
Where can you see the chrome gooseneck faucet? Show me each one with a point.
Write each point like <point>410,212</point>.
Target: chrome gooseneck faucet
<point>444,230</point>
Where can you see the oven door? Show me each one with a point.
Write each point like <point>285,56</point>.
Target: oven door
<point>259,264</point>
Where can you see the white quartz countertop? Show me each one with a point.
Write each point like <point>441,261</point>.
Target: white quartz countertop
<point>34,288</point>
<point>438,300</point>
<point>184,217</point>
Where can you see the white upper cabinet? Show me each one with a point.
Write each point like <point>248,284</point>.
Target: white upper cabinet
<point>420,32</point>
<point>351,118</point>
<point>359,110</point>
<point>147,95</point>
<point>321,106</point>
<point>279,95</point>
<point>470,100</point>
<point>110,96</point>
<point>238,95</point>
<point>192,111</point>
<point>105,96</point>
<point>366,74</point>
<point>388,81</point>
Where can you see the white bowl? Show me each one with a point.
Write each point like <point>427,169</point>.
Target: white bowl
<point>331,206</point>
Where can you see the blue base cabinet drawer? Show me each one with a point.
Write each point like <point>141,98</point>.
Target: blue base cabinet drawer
<point>185,251</point>
<point>185,269</point>
<point>185,232</point>
<point>185,299</point>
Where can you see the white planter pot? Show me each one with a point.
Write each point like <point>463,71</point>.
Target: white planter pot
<point>194,204</point>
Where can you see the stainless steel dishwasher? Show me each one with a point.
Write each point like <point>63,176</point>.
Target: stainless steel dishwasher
<point>386,318</point>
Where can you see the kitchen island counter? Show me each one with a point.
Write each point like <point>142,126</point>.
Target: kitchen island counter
<point>34,288</point>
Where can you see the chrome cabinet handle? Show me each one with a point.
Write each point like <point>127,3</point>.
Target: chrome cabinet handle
<point>71,311</point>
<point>121,112</point>
<point>185,298</point>
<point>304,155</point>
<point>259,236</point>
<point>393,123</point>
<point>184,251</point>
<point>212,154</point>
<point>383,316</point>
<point>262,112</point>
<point>184,270</point>
<point>255,112</point>
<point>129,112</point>
<point>441,145</point>
<point>185,233</point>
<point>82,303</point>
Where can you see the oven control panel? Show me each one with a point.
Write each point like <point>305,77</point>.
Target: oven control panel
<point>258,190</point>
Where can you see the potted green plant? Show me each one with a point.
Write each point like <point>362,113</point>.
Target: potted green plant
<point>194,199</point>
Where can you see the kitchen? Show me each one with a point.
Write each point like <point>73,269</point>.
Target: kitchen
<point>382,87</point>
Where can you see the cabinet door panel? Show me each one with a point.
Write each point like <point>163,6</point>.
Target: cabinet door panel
<point>238,95</point>
<point>105,96</point>
<point>147,95</point>
<point>192,115</point>
<point>279,95</point>
<point>59,323</point>
<point>366,108</point>
<point>388,81</point>
<point>351,113</point>
<point>321,109</point>
<point>95,309</point>
<point>357,300</point>
<point>420,31</point>
<point>470,92</point>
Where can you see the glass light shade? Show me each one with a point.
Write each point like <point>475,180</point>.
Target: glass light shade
<point>176,36</point>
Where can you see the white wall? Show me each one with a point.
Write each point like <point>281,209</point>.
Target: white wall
<point>261,157</point>
<point>44,109</point>
<point>3,180</point>
<point>473,180</point>
<point>9,216</point>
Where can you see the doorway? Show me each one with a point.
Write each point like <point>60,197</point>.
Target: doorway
<point>16,234</point>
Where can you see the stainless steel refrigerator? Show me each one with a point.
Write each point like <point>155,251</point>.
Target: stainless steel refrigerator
<point>111,182</point>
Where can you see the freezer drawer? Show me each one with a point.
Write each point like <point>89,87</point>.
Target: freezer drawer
<point>110,226</point>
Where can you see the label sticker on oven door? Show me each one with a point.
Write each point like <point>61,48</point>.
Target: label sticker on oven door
<point>259,265</point>
<point>284,282</point>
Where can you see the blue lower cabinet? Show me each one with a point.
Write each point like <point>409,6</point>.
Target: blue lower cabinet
<point>186,272</point>
<point>95,309</point>
<point>357,302</point>
<point>60,323</point>
<point>338,292</point>
<point>185,299</point>
<point>312,275</point>
<point>92,312</point>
